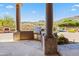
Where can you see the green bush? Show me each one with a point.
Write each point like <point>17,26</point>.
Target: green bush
<point>62,40</point>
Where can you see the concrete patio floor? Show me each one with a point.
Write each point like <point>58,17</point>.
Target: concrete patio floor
<point>34,48</point>
<point>21,48</point>
<point>69,50</point>
<point>9,47</point>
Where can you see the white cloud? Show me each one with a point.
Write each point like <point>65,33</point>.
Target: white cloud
<point>77,5</point>
<point>9,6</point>
<point>74,9</point>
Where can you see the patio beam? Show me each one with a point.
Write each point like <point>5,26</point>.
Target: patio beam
<point>50,41</point>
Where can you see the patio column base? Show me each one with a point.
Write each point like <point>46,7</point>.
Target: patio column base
<point>23,35</point>
<point>50,46</point>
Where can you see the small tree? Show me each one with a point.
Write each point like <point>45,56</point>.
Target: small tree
<point>7,21</point>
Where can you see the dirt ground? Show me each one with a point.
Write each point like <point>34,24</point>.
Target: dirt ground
<point>71,36</point>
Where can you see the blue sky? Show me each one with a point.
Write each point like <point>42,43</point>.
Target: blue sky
<point>63,10</point>
<point>33,12</point>
<point>29,12</point>
<point>7,9</point>
<point>36,11</point>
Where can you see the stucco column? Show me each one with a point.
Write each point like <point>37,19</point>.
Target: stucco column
<point>17,17</point>
<point>50,41</point>
<point>21,35</point>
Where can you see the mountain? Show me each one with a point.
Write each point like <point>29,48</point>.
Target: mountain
<point>72,18</point>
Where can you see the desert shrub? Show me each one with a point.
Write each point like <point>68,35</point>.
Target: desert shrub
<point>62,40</point>
<point>72,30</point>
